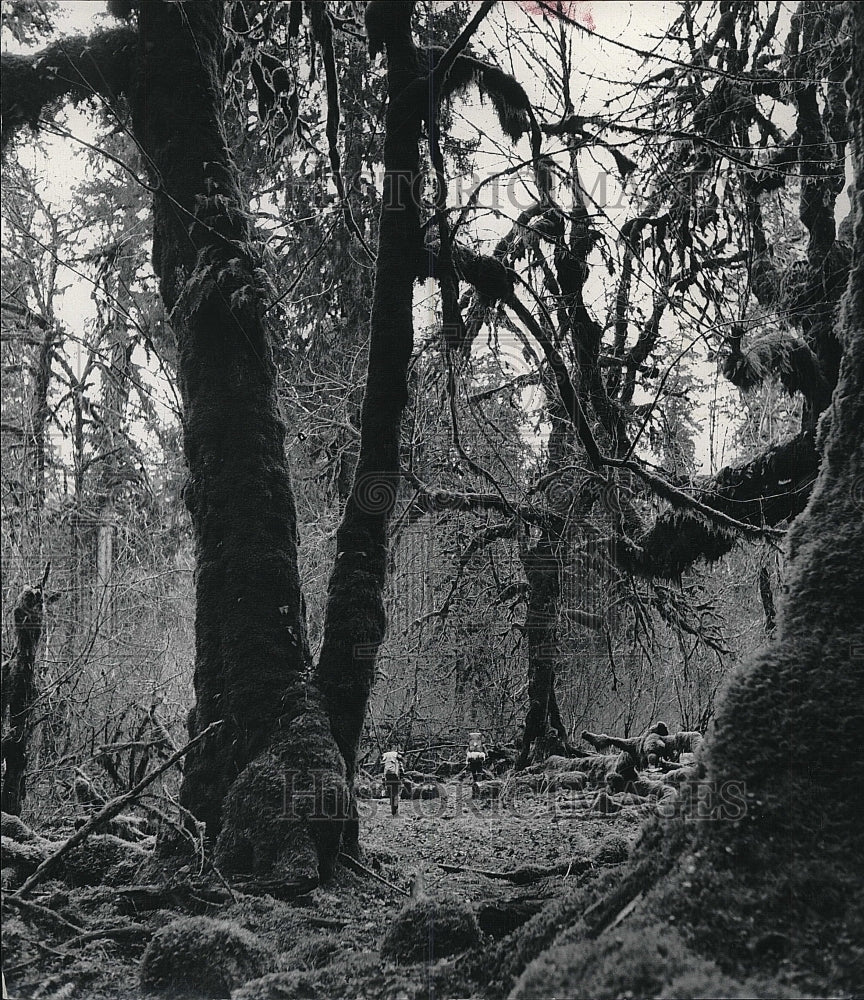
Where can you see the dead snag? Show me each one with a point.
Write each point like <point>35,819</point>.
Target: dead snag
<point>20,691</point>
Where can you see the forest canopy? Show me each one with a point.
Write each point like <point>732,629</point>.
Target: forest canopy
<point>379,374</point>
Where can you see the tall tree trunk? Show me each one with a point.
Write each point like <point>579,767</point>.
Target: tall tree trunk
<point>542,565</point>
<point>784,881</point>
<point>270,782</point>
<point>111,448</point>
<point>355,619</point>
<point>40,411</point>
<point>19,693</point>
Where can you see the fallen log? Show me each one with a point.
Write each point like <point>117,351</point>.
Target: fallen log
<point>37,912</point>
<point>567,781</point>
<point>192,897</point>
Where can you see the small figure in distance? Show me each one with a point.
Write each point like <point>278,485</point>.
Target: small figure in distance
<point>654,768</point>
<point>475,758</point>
<point>392,761</point>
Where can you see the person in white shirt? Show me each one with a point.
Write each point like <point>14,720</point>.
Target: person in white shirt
<point>392,761</point>
<point>475,758</point>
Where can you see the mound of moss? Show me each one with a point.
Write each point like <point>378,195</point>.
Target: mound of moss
<point>708,984</point>
<point>632,962</point>
<point>500,965</point>
<point>359,975</point>
<point>202,957</point>
<point>282,986</point>
<point>103,859</point>
<point>428,929</point>
<point>14,828</point>
<point>612,850</point>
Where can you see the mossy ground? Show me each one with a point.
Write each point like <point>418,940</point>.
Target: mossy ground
<point>328,945</point>
<point>331,939</point>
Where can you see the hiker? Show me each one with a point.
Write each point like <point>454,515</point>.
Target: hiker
<point>392,761</point>
<point>475,758</point>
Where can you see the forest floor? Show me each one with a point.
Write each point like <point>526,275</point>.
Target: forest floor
<point>333,935</point>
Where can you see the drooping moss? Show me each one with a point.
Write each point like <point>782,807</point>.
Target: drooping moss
<point>74,69</point>
<point>775,883</point>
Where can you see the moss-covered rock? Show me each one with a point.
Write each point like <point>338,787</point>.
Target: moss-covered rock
<point>198,956</point>
<point>283,986</point>
<point>612,849</point>
<point>428,929</point>
<point>630,963</point>
<point>14,828</point>
<point>103,859</point>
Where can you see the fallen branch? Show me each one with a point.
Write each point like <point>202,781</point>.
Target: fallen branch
<point>114,807</point>
<point>38,912</point>
<point>126,932</point>
<point>355,865</point>
<point>193,896</point>
<point>528,875</point>
<point>625,912</point>
<point>332,923</point>
<point>278,888</point>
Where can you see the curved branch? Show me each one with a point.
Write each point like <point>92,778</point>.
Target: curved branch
<point>71,69</point>
<point>769,489</point>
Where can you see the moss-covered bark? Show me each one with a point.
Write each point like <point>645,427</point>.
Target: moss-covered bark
<point>773,886</point>
<point>252,656</point>
<point>19,693</point>
<point>542,565</point>
<point>766,491</point>
<point>355,620</point>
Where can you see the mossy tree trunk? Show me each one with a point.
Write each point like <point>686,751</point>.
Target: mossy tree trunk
<point>790,723</point>
<point>355,619</point>
<point>784,881</point>
<point>261,781</point>
<point>19,693</point>
<point>542,565</point>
